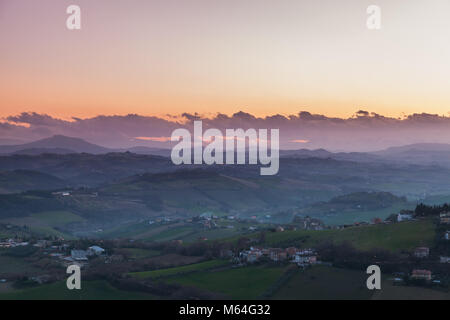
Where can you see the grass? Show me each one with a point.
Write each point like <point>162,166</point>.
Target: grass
<point>328,283</point>
<point>15,265</point>
<point>393,237</point>
<point>57,218</point>
<point>175,233</point>
<point>45,223</point>
<point>90,290</point>
<point>358,216</point>
<point>322,283</point>
<point>390,292</point>
<point>135,253</point>
<point>238,283</point>
<point>202,266</point>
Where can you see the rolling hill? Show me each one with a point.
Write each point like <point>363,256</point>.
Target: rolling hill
<point>56,143</point>
<point>22,180</point>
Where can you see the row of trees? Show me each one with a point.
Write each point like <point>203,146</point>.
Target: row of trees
<point>423,210</point>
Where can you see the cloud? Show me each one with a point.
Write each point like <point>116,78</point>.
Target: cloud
<point>157,139</point>
<point>363,132</point>
<point>300,141</point>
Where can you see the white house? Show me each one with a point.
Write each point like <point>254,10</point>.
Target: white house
<point>404,217</point>
<point>95,251</point>
<point>79,255</point>
<point>445,259</point>
<point>302,260</point>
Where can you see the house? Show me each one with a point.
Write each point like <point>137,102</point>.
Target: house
<point>445,218</point>
<point>421,274</point>
<point>304,260</point>
<point>377,221</point>
<point>445,259</point>
<point>79,255</point>
<point>5,244</point>
<point>421,252</point>
<point>279,229</point>
<point>252,257</point>
<point>447,235</point>
<point>404,217</point>
<point>277,254</point>
<point>95,251</point>
<point>42,243</point>
<point>291,251</point>
<point>305,252</point>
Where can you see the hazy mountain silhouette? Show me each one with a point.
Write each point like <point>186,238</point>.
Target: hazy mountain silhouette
<point>55,144</point>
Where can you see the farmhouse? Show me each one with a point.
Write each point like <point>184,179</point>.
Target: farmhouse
<point>404,217</point>
<point>305,260</point>
<point>10,243</point>
<point>277,254</point>
<point>95,251</point>
<point>445,218</point>
<point>291,251</point>
<point>279,229</point>
<point>252,255</point>
<point>79,255</point>
<point>421,274</point>
<point>421,252</point>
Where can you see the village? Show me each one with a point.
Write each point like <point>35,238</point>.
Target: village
<point>64,253</point>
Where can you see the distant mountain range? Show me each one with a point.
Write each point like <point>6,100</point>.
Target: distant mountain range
<point>56,144</point>
<point>421,153</point>
<point>60,144</point>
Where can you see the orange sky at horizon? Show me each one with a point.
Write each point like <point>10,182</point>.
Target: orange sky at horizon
<point>157,57</point>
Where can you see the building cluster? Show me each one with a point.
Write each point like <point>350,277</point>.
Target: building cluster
<point>12,243</point>
<point>301,257</point>
<point>80,257</point>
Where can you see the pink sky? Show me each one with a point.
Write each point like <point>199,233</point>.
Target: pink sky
<point>263,57</point>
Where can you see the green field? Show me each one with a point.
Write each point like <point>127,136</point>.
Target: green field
<point>15,265</point>
<point>202,266</point>
<point>57,218</point>
<point>90,290</point>
<point>358,216</point>
<point>328,283</point>
<point>237,283</point>
<point>322,283</point>
<point>392,292</point>
<point>44,223</point>
<point>393,237</point>
<point>136,253</point>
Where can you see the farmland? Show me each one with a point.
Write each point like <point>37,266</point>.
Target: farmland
<point>392,237</point>
<point>202,266</point>
<point>91,290</point>
<point>236,283</point>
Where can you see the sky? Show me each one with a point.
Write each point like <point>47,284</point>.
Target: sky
<point>264,57</point>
